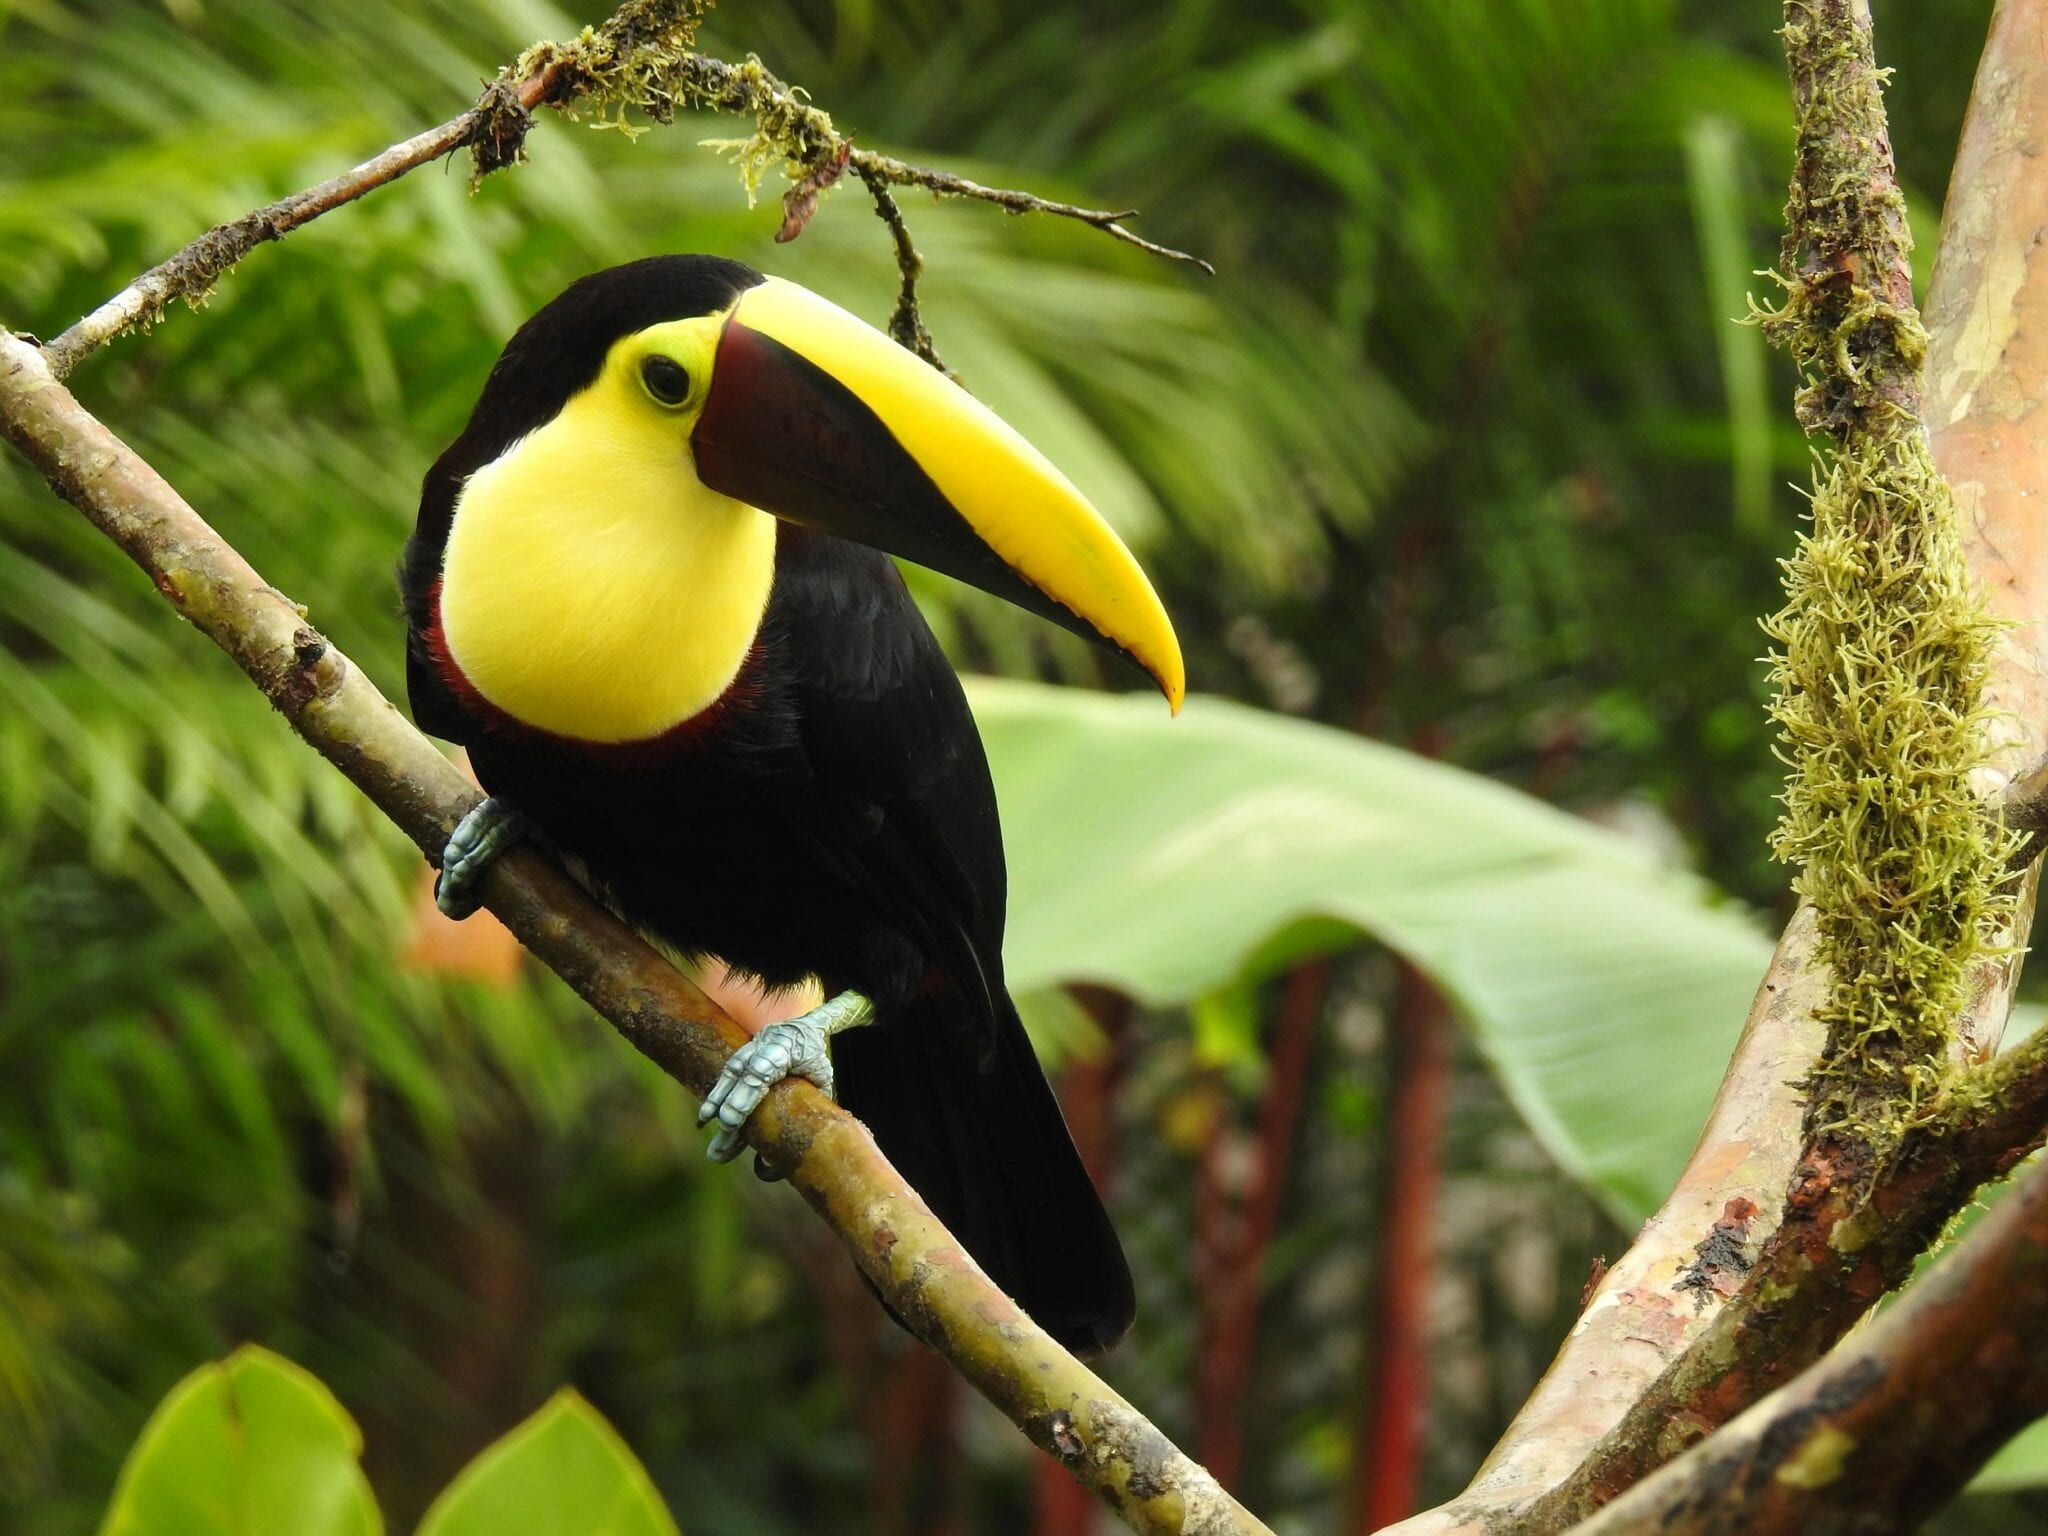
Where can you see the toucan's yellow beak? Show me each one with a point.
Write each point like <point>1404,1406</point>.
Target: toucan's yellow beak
<point>817,417</point>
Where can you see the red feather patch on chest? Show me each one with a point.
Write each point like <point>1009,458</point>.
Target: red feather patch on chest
<point>739,698</point>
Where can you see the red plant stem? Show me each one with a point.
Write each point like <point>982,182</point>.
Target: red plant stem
<point>1301,1005</point>
<point>1388,1468</point>
<point>1217,1435</point>
<point>914,1482</point>
<point>893,1447</point>
<point>1088,1090</point>
<point>949,1466</point>
<point>1063,1506</point>
<point>1229,1293</point>
<point>1088,1086</point>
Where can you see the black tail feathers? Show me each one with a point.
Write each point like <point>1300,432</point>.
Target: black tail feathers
<point>989,1151</point>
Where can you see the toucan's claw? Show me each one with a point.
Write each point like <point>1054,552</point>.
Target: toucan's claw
<point>476,843</point>
<point>798,1047</point>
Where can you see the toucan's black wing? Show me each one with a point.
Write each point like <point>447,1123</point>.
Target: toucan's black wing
<point>950,1086</point>
<point>897,782</point>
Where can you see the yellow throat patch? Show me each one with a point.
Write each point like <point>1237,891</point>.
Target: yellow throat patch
<point>592,585</point>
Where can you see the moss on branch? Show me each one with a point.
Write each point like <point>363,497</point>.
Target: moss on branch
<point>1883,646</point>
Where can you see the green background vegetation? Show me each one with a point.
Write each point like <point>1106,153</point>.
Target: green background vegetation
<point>1459,451</point>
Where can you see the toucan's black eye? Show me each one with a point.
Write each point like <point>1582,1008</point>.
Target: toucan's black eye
<point>666,379</point>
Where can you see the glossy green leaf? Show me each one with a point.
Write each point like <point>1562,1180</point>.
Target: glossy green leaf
<point>2022,1463</point>
<point>1170,858</point>
<point>249,1446</point>
<point>564,1472</point>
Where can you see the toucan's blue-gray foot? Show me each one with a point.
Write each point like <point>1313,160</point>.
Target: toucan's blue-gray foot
<point>476,843</point>
<point>798,1047</point>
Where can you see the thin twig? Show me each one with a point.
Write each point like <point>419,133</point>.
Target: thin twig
<point>923,1274</point>
<point>192,273</point>
<point>494,131</point>
<point>906,325</point>
<point>638,60</point>
<point>946,184</point>
<point>789,125</point>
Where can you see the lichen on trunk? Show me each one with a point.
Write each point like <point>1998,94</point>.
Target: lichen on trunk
<point>1883,648</point>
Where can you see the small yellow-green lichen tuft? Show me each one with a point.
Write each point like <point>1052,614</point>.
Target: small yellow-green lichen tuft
<point>628,64</point>
<point>1883,647</point>
<point>1819,1459</point>
<point>790,134</point>
<point>633,62</point>
<point>643,61</point>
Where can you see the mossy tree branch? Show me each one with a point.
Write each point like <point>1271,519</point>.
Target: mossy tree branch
<point>640,60</point>
<point>1888,653</point>
<point>827,1155</point>
<point>1643,1375</point>
<point>1885,642</point>
<point>1838,1250</point>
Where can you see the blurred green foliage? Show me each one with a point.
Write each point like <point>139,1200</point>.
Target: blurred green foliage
<point>255,1446</point>
<point>1459,449</point>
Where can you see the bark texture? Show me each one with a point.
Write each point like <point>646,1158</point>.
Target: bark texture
<point>1894,1423</point>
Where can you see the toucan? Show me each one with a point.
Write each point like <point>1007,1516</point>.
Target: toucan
<point>650,591</point>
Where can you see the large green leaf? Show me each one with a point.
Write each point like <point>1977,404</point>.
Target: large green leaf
<point>2023,1463</point>
<point>249,1446</point>
<point>1169,857</point>
<point>564,1472</point>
